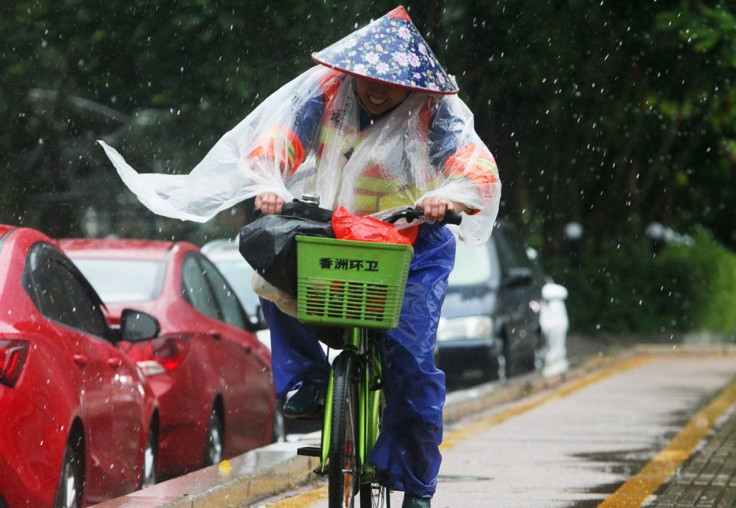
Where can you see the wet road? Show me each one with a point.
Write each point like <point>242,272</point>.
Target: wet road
<point>612,437</point>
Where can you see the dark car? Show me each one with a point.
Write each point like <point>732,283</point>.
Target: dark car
<point>211,375</point>
<point>80,421</point>
<point>490,325</point>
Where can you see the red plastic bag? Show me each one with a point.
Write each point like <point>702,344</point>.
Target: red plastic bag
<point>366,229</point>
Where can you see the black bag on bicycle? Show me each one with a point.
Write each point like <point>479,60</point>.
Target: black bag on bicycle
<point>268,243</point>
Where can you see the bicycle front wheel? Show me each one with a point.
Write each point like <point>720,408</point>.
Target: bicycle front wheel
<point>373,492</point>
<point>343,467</point>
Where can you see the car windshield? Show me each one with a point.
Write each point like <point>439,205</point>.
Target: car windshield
<point>238,273</point>
<point>122,280</point>
<point>472,266</point>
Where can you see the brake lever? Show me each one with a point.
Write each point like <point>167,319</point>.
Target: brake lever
<point>449,218</point>
<point>409,214</point>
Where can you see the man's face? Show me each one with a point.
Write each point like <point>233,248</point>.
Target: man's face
<point>377,97</point>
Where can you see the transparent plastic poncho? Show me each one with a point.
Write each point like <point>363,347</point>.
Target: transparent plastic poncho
<point>399,156</point>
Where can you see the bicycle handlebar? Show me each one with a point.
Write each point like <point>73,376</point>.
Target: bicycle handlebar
<point>302,209</point>
<point>409,214</point>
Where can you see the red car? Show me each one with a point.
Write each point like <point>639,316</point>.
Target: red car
<point>79,418</point>
<point>210,373</point>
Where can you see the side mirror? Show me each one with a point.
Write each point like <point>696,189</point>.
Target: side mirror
<point>257,319</point>
<point>518,277</point>
<point>136,326</point>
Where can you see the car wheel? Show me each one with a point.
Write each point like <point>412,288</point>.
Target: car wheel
<point>540,353</point>
<point>503,362</point>
<point>69,491</point>
<point>213,444</point>
<point>150,460</point>
<point>279,425</point>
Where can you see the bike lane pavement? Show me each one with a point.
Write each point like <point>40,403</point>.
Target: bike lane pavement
<point>579,446</point>
<point>577,441</point>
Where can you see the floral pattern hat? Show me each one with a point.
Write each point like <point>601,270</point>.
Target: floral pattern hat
<point>390,49</point>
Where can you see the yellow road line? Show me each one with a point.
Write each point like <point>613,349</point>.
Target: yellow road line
<point>305,499</point>
<point>640,486</point>
<point>454,438</point>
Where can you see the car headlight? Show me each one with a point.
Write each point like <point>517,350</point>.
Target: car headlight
<point>469,328</point>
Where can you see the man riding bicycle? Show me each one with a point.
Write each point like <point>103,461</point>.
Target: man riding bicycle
<point>376,126</point>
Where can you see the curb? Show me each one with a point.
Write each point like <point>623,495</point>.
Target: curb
<point>252,476</point>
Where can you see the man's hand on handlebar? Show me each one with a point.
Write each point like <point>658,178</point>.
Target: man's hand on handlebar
<point>434,208</point>
<point>269,203</point>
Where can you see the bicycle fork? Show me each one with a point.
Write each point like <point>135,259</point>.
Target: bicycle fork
<point>369,404</point>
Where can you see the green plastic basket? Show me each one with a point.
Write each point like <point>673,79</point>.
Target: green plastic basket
<point>350,283</point>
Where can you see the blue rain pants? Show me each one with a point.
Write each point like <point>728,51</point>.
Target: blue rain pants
<point>414,389</point>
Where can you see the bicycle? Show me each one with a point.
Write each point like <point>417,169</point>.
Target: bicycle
<point>363,301</point>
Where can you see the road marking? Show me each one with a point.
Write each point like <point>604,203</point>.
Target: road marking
<point>661,468</point>
<point>451,439</point>
<point>309,498</point>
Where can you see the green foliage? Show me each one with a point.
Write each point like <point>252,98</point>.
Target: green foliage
<point>701,100</point>
<point>711,282</point>
<point>627,288</point>
<point>607,113</point>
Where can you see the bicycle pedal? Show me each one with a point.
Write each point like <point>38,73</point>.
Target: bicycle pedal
<point>370,475</point>
<point>309,451</point>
